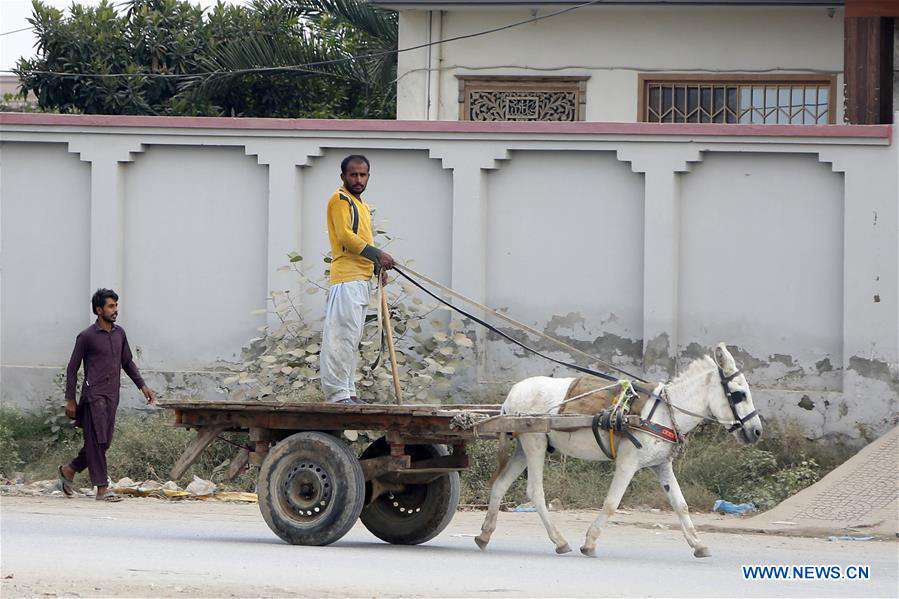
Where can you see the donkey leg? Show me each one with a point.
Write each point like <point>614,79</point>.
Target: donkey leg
<point>665,472</point>
<point>504,479</point>
<point>624,472</point>
<point>534,446</point>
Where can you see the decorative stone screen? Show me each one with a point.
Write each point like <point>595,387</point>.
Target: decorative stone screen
<point>784,100</point>
<point>522,98</point>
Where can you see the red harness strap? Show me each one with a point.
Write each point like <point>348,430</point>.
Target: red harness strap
<point>657,430</point>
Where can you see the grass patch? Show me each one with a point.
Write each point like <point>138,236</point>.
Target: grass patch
<point>143,447</point>
<point>713,465</point>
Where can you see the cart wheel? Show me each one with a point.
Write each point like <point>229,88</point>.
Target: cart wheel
<point>421,511</point>
<point>311,489</point>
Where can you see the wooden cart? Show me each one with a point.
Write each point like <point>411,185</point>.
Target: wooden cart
<point>312,487</point>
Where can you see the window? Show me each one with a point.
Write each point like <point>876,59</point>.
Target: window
<point>785,100</point>
<point>522,98</point>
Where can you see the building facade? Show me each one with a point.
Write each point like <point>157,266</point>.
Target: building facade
<point>738,62</point>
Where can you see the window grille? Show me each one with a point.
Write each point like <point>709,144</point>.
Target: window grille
<point>522,98</point>
<point>770,100</point>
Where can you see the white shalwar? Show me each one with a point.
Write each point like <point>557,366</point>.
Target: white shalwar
<point>342,332</point>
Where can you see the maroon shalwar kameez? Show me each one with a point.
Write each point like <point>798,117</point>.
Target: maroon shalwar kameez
<point>104,354</point>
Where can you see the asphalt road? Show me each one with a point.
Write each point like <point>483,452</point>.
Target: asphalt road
<point>145,547</point>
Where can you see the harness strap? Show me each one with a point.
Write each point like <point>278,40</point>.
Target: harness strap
<point>627,433</point>
<point>740,422</point>
<point>657,430</point>
<point>652,410</point>
<point>594,426</point>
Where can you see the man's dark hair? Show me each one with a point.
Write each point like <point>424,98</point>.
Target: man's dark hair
<point>353,158</point>
<point>100,297</point>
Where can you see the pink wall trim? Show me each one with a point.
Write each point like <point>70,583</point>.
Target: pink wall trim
<point>857,131</point>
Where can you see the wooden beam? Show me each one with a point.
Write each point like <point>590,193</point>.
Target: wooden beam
<point>533,424</point>
<point>872,8</point>
<point>868,69</point>
<point>375,467</point>
<point>448,410</point>
<point>451,462</point>
<point>205,436</point>
<point>240,419</point>
<point>237,464</point>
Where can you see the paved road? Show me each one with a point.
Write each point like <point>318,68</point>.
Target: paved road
<point>146,547</point>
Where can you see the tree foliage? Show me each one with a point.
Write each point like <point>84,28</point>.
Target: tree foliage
<point>171,57</point>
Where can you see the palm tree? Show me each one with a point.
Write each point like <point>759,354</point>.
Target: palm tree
<point>350,41</point>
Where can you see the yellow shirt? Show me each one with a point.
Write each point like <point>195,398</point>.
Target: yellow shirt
<point>350,232</point>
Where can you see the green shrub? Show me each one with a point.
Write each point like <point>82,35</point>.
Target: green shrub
<point>10,459</point>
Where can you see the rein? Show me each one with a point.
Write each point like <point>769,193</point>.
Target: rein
<point>616,418</point>
<point>493,329</point>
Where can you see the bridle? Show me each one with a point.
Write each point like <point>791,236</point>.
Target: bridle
<point>734,398</point>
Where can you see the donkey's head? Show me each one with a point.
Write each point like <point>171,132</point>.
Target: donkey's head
<point>732,400</point>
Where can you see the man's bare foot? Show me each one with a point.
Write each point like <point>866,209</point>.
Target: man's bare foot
<point>68,472</point>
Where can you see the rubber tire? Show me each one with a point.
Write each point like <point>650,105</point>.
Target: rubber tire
<point>439,508</point>
<point>347,490</point>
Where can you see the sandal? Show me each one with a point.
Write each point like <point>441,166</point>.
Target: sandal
<point>67,486</point>
<point>110,497</point>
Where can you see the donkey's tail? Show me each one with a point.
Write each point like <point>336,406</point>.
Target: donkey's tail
<point>503,449</point>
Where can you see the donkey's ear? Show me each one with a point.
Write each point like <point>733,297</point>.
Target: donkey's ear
<point>724,360</point>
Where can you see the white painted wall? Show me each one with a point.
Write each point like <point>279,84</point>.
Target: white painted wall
<point>45,251</point>
<point>764,261</point>
<point>641,246</point>
<point>204,281</point>
<point>572,241</point>
<point>613,45</point>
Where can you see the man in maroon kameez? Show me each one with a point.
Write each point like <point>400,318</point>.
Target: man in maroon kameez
<point>103,348</point>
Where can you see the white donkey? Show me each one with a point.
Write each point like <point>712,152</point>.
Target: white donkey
<point>712,389</point>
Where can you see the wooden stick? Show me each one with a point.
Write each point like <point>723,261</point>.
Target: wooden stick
<point>385,311</point>
<point>205,436</point>
<point>515,323</point>
<point>238,464</point>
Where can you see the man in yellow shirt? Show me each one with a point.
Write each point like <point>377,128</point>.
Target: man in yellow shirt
<point>354,261</point>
